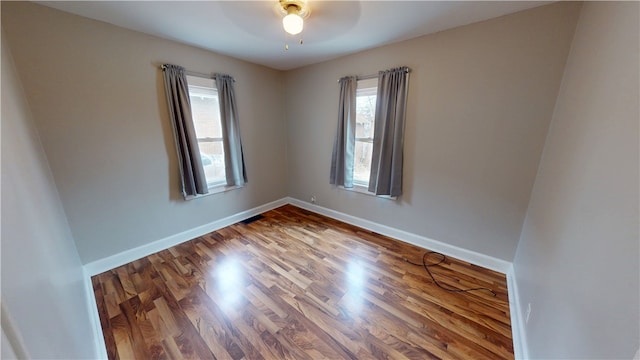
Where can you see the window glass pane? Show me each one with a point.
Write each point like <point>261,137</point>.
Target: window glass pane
<point>362,162</point>
<point>365,112</point>
<point>205,111</point>
<point>206,120</point>
<point>212,155</point>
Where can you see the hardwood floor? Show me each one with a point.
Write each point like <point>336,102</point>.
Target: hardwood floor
<point>297,285</point>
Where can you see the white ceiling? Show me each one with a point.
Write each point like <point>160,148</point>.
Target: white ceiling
<point>252,30</point>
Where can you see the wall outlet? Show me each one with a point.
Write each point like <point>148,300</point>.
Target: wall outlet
<point>526,318</point>
<point>313,199</point>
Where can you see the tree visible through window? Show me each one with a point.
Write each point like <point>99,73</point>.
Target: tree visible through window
<point>365,113</point>
<point>206,120</point>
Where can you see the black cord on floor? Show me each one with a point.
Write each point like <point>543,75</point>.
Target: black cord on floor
<point>426,266</point>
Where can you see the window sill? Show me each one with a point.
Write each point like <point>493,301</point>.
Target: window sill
<point>216,189</point>
<point>364,190</point>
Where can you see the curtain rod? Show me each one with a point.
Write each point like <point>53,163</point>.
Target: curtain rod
<point>371,76</point>
<point>365,77</point>
<point>194,73</point>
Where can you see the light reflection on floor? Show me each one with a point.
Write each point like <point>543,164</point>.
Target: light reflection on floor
<point>355,281</point>
<point>230,281</point>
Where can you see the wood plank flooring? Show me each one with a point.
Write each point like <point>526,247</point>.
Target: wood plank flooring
<point>297,285</point>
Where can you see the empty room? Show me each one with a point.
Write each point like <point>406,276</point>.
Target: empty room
<point>288,179</point>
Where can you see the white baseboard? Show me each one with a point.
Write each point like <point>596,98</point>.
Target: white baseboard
<point>520,349</point>
<point>127,256</point>
<point>94,318</point>
<point>111,262</point>
<point>505,267</point>
<point>489,262</point>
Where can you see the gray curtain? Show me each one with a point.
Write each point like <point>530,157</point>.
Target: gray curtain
<point>344,143</point>
<point>232,144</point>
<point>386,162</point>
<point>194,181</point>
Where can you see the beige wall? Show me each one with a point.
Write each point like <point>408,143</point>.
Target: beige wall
<point>480,101</point>
<point>97,97</point>
<point>578,258</point>
<point>43,290</point>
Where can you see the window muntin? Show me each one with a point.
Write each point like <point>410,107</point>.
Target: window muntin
<point>365,114</point>
<point>205,111</point>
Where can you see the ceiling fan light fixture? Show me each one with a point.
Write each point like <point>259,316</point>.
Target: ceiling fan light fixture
<point>294,11</point>
<point>293,23</point>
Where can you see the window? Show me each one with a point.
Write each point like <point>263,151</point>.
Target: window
<point>365,114</point>
<point>206,120</point>
<point>358,162</point>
